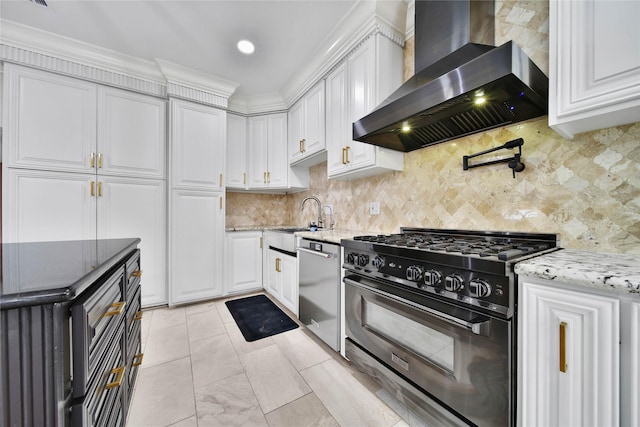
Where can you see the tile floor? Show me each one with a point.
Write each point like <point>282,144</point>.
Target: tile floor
<point>199,371</point>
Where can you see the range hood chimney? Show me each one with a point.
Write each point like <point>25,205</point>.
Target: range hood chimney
<point>463,84</point>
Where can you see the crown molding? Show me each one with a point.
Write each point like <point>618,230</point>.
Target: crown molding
<point>366,18</point>
<point>257,104</point>
<point>47,51</point>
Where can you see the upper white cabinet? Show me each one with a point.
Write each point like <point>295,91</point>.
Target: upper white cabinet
<point>131,134</point>
<point>569,356</point>
<point>307,128</point>
<point>353,90</point>
<point>66,124</point>
<point>267,148</point>
<point>236,152</point>
<point>594,65</point>
<point>198,136</point>
<point>51,121</point>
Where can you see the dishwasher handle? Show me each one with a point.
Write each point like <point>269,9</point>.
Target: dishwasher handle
<point>318,253</point>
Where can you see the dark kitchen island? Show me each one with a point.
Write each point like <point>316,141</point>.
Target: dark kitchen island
<point>70,331</point>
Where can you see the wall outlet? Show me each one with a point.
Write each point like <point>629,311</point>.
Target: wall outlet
<point>374,208</point>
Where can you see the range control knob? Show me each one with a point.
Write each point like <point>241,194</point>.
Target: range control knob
<point>363,260</point>
<point>454,282</point>
<point>378,262</point>
<point>351,258</point>
<point>479,288</point>
<point>414,273</point>
<point>432,277</point>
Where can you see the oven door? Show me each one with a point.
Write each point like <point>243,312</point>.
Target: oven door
<point>458,357</point>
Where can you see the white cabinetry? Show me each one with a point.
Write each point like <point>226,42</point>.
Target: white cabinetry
<point>196,215</point>
<point>353,90</point>
<point>267,151</point>
<point>568,356</point>
<point>83,161</point>
<point>244,261</point>
<point>282,279</point>
<point>594,69</point>
<point>236,152</point>
<point>630,362</point>
<point>307,128</point>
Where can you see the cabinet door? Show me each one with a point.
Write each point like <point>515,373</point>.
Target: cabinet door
<point>337,120</point>
<point>278,165</point>
<point>569,355</point>
<point>257,149</point>
<point>594,63</point>
<point>314,120</point>
<point>196,246</point>
<point>131,134</point>
<point>129,207</point>
<point>296,132</point>
<point>244,263</point>
<point>50,121</point>
<point>273,282</point>
<point>289,283</point>
<point>236,151</point>
<point>198,139</point>
<point>47,206</point>
<point>361,87</point>
<point>630,361</point>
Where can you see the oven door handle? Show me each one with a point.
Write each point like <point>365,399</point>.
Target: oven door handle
<point>479,328</point>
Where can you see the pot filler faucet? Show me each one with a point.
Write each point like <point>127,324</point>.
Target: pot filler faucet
<point>320,222</point>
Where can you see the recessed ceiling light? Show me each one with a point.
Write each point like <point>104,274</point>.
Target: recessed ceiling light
<point>246,47</point>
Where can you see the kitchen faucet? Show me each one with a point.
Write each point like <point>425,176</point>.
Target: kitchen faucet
<point>320,222</point>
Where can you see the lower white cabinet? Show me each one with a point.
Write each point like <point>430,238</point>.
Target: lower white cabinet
<point>48,206</point>
<point>244,261</point>
<point>281,279</point>
<point>569,354</point>
<point>630,361</point>
<point>196,243</point>
<point>134,207</point>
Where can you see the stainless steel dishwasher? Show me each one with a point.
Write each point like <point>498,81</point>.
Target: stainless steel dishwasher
<point>319,279</point>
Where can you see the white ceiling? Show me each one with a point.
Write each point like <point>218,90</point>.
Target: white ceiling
<point>198,34</point>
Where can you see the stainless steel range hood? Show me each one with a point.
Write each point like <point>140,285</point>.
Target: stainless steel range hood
<point>458,70</point>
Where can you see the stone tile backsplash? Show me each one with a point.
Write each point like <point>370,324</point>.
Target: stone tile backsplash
<point>586,189</point>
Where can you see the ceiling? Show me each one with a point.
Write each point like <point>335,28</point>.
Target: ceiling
<point>198,34</point>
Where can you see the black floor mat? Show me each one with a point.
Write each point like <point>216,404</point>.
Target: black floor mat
<point>258,317</point>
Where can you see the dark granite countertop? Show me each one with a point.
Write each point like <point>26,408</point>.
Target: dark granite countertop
<point>49,272</point>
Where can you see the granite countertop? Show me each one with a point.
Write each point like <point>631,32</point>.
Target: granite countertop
<point>600,270</point>
<point>324,235</point>
<point>50,272</point>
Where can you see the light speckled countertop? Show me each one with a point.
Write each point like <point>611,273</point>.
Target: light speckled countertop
<point>324,235</point>
<point>601,270</point>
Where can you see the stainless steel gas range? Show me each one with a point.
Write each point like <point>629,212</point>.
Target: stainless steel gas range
<point>431,314</point>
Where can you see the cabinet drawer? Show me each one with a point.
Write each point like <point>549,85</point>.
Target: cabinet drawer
<point>95,320</point>
<point>134,272</point>
<point>104,390</point>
